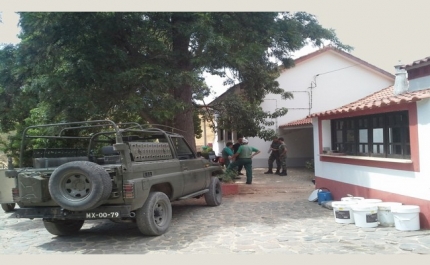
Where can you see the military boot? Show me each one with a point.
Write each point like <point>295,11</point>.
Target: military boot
<point>269,172</point>
<point>283,173</point>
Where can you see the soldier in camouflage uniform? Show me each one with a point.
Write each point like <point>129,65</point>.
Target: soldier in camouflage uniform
<point>274,155</point>
<point>283,156</point>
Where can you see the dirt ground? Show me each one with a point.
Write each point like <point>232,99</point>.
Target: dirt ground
<point>297,184</point>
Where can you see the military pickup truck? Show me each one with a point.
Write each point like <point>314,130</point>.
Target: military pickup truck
<point>72,172</point>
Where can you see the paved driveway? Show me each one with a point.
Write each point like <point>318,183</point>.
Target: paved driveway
<point>272,215</point>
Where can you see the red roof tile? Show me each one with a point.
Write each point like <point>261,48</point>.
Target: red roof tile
<point>382,98</point>
<point>417,62</point>
<point>305,121</point>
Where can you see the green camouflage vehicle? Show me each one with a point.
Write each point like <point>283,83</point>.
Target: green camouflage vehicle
<point>77,171</point>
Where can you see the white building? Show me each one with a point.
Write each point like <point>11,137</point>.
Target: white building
<point>383,143</point>
<point>322,80</point>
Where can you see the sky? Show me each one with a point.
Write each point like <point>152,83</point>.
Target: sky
<point>382,32</point>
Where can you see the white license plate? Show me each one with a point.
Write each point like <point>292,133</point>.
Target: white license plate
<point>98,215</point>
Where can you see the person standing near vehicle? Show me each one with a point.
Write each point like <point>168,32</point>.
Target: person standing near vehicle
<point>274,155</point>
<point>243,157</point>
<point>283,156</point>
<point>227,153</point>
<point>235,148</point>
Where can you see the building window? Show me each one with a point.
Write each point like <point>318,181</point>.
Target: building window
<point>229,135</point>
<point>379,135</point>
<point>221,134</point>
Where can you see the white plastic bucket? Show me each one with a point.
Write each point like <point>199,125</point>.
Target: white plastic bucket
<point>406,217</point>
<point>369,201</point>
<point>385,216</point>
<point>365,215</point>
<point>342,211</point>
<point>351,198</point>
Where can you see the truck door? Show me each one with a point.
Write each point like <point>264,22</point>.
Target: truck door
<point>193,168</point>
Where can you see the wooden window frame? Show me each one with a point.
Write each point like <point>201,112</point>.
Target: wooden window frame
<point>350,140</point>
<point>412,164</point>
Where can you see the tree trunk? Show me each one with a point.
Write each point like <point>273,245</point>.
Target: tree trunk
<point>183,92</point>
<point>184,121</point>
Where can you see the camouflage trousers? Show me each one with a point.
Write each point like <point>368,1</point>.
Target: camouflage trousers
<point>283,160</point>
<point>272,158</point>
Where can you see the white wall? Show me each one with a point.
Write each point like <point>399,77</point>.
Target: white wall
<point>419,83</point>
<point>423,107</point>
<point>326,138</point>
<point>337,84</point>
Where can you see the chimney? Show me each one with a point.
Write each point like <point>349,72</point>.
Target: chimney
<point>401,83</point>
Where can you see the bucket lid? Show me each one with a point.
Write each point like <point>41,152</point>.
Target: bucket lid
<point>314,196</point>
<point>406,209</point>
<point>343,203</point>
<point>351,198</point>
<point>370,201</point>
<point>364,207</point>
<point>387,205</point>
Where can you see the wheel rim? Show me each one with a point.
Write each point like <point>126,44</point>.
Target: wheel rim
<point>160,213</point>
<point>75,186</point>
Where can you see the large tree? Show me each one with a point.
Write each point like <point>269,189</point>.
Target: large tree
<point>148,66</point>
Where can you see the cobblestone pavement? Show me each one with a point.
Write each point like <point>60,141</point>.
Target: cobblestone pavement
<point>273,215</point>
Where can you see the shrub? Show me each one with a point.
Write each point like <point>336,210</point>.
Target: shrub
<point>310,165</point>
<point>228,176</point>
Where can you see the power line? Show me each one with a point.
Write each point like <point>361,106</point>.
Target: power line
<point>337,69</point>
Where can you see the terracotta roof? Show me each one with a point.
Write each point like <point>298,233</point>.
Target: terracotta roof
<point>382,98</point>
<point>305,121</point>
<point>417,62</point>
<point>348,55</point>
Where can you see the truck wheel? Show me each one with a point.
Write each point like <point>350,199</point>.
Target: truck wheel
<point>63,227</point>
<point>8,207</point>
<point>80,185</point>
<point>153,219</point>
<point>214,196</point>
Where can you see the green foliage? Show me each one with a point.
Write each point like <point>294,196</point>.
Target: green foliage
<point>249,118</point>
<point>228,176</point>
<point>205,151</point>
<point>310,165</point>
<point>148,67</point>
<point>198,131</point>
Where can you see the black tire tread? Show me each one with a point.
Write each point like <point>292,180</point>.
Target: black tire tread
<point>144,215</point>
<point>214,196</point>
<point>8,207</point>
<point>97,175</point>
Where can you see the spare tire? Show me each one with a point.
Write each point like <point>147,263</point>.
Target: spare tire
<point>8,207</point>
<point>80,185</point>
